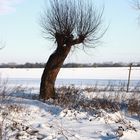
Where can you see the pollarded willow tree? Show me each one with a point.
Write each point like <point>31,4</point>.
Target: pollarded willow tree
<point>69,23</point>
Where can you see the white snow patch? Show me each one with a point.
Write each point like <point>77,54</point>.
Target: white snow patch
<point>37,120</point>
<point>120,73</point>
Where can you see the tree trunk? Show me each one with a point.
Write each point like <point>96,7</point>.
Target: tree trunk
<point>51,70</point>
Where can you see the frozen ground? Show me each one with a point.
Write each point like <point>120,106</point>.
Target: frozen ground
<point>70,76</point>
<point>28,119</point>
<point>120,73</point>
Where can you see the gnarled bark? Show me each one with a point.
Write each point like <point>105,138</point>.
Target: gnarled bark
<point>51,70</point>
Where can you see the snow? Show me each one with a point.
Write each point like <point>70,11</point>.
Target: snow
<point>36,120</point>
<point>73,76</point>
<point>28,119</point>
<point>120,73</point>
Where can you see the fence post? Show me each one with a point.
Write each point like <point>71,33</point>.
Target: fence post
<point>129,75</point>
<point>0,130</point>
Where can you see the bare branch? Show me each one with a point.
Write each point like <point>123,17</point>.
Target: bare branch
<point>72,22</point>
<point>2,44</point>
<point>136,4</point>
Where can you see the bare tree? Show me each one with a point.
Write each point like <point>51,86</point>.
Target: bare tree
<point>68,23</point>
<point>136,4</point>
<point>2,44</point>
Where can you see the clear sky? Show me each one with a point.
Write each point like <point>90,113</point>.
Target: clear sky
<point>21,32</point>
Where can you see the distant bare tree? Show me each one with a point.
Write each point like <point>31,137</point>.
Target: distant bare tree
<point>2,44</point>
<point>136,4</point>
<point>68,23</point>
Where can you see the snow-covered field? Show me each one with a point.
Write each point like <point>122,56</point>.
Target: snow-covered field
<point>119,73</point>
<point>28,119</point>
<point>76,76</point>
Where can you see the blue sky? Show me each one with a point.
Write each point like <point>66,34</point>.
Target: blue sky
<point>21,32</point>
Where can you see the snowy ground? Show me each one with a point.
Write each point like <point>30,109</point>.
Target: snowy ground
<point>120,73</point>
<point>73,76</point>
<point>33,120</point>
<point>28,119</point>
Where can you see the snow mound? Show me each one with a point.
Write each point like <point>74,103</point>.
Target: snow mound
<point>33,120</point>
<point>73,114</point>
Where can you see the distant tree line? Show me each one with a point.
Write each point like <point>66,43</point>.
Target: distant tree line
<point>105,64</point>
<point>26,65</point>
<point>69,65</point>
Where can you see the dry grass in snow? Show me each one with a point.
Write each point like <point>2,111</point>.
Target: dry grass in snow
<point>76,114</point>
